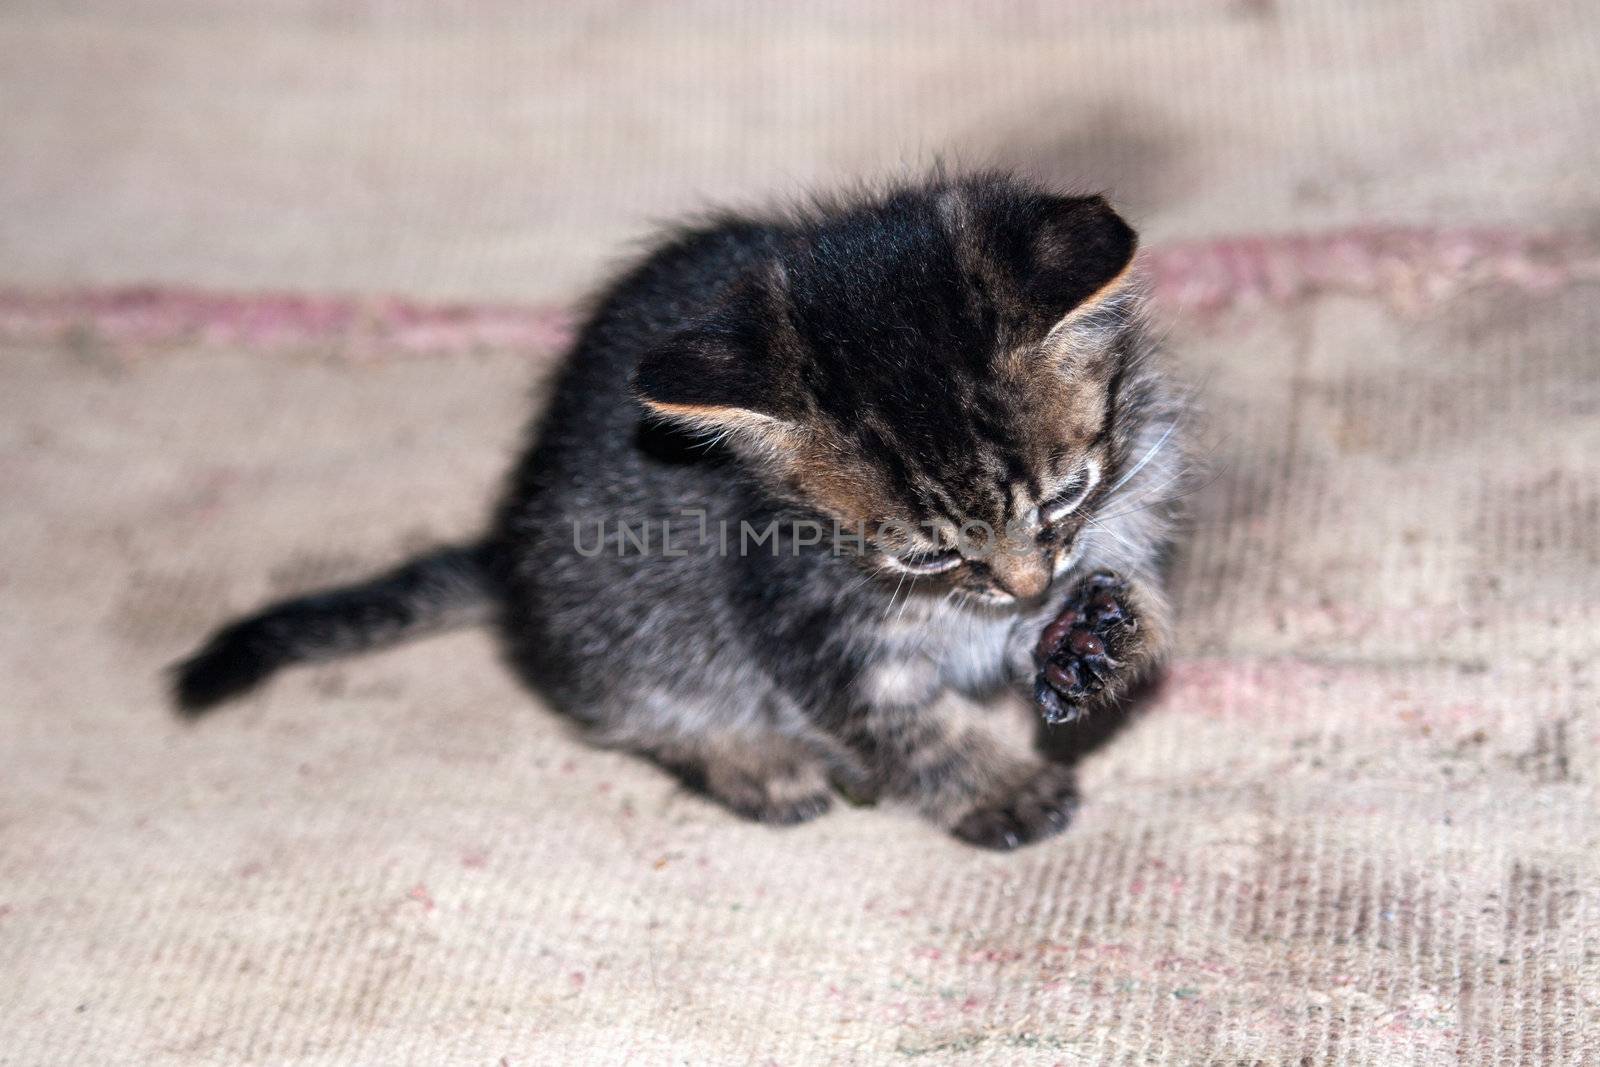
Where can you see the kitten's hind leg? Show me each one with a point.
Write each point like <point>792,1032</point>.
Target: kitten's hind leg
<point>972,769</point>
<point>764,776</point>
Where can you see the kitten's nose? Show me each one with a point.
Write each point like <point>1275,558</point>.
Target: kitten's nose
<point>1023,576</point>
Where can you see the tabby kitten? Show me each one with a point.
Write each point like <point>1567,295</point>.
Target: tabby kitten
<point>813,492</point>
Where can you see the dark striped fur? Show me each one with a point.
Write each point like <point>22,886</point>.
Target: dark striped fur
<point>955,353</point>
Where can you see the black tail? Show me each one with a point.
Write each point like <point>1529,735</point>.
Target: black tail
<point>439,591</point>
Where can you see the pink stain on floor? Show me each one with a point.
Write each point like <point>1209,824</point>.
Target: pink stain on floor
<point>1280,690</point>
<point>1407,267</point>
<point>420,894</point>
<point>154,317</point>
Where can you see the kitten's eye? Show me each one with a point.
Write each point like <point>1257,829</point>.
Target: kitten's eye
<point>1070,496</point>
<point>929,562</point>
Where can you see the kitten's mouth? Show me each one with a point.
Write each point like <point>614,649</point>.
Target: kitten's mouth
<point>1004,601</point>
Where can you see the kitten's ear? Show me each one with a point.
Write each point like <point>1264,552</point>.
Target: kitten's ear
<point>1080,251</point>
<point>710,378</point>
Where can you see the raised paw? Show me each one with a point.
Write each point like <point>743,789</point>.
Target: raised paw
<point>1085,648</point>
<point>1042,805</point>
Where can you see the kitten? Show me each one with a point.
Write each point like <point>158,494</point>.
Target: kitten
<point>812,493</point>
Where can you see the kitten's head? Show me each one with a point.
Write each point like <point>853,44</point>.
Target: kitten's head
<point>945,366</point>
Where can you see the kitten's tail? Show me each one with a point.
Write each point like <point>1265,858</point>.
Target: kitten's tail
<point>439,591</point>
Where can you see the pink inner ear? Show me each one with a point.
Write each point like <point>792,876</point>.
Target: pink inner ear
<point>715,423</point>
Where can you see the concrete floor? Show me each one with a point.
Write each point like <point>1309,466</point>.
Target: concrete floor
<point>1357,825</point>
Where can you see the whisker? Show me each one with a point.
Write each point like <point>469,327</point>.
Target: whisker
<point>1108,531</point>
<point>893,595</point>
<point>1183,471</point>
<point>1148,456</point>
<point>1177,476</point>
<point>1167,499</point>
<point>907,601</point>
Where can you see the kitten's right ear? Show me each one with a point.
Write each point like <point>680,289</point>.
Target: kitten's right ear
<point>709,378</point>
<point>1081,252</point>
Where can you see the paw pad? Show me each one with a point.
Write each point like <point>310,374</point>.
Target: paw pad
<point>1083,647</point>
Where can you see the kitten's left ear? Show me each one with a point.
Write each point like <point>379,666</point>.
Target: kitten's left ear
<point>714,376</point>
<point>1081,250</point>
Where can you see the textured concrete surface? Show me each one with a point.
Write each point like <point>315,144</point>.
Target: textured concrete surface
<point>277,285</point>
<point>505,151</point>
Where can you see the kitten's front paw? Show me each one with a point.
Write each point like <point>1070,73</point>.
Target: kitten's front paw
<point>1041,806</point>
<point>1086,648</point>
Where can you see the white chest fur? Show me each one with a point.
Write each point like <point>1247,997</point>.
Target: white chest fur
<point>930,645</point>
